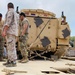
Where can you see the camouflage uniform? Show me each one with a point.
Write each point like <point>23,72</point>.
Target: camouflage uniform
<point>11,20</point>
<point>1,40</point>
<point>23,39</point>
<point>11,47</point>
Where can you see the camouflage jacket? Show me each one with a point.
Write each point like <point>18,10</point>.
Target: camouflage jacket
<point>11,20</point>
<point>25,21</point>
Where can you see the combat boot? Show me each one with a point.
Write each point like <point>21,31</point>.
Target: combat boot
<point>1,58</point>
<point>12,64</point>
<point>24,60</point>
<point>21,59</point>
<point>8,62</point>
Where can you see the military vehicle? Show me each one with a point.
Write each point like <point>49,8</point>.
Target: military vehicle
<point>48,36</point>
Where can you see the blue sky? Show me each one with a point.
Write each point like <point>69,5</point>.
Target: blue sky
<point>55,6</point>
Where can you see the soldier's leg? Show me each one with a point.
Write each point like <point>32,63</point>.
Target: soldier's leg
<point>24,51</point>
<point>1,54</point>
<point>11,48</point>
<point>25,58</point>
<point>1,48</point>
<point>25,47</point>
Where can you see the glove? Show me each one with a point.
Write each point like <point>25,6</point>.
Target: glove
<point>21,38</point>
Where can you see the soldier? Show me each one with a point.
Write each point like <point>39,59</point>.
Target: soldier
<point>24,25</point>
<point>1,38</point>
<point>10,30</point>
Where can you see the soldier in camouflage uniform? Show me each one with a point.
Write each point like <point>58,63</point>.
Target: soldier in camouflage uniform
<point>24,25</point>
<point>1,38</point>
<point>10,30</point>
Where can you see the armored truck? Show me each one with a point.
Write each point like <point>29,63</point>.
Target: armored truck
<point>48,35</point>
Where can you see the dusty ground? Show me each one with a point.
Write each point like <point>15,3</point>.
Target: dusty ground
<point>36,67</point>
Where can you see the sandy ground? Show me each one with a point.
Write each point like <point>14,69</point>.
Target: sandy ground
<point>37,66</point>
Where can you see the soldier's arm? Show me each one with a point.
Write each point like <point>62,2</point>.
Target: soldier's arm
<point>9,18</point>
<point>7,24</point>
<point>4,31</point>
<point>5,28</point>
<point>25,26</point>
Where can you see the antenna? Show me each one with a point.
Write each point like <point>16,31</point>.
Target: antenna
<point>62,14</point>
<point>17,10</point>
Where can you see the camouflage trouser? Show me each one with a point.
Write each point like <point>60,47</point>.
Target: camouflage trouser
<point>1,46</point>
<point>11,47</point>
<point>23,45</point>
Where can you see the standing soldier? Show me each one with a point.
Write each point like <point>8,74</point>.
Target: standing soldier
<point>24,25</point>
<point>10,30</point>
<point>1,38</point>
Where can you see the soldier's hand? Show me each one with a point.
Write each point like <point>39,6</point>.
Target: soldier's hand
<point>3,33</point>
<point>22,34</point>
<point>21,38</point>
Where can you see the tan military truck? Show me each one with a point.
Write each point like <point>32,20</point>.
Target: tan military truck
<point>48,36</point>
